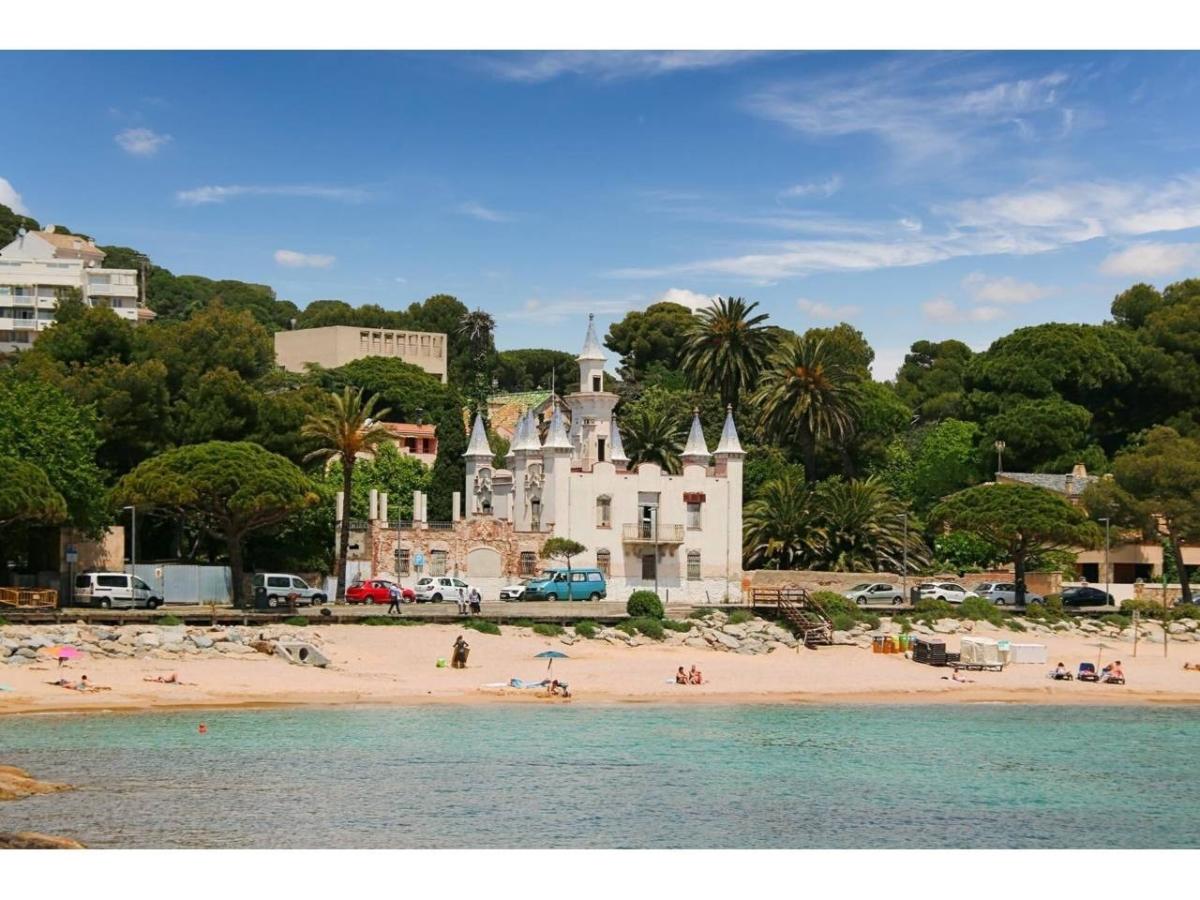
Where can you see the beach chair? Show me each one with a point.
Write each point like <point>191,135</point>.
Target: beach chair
<point>1065,676</point>
<point>1087,672</point>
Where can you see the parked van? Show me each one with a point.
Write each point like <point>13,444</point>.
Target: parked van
<point>115,590</point>
<point>280,586</point>
<point>567,584</point>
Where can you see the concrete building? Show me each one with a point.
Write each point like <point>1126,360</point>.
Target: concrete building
<point>678,534</point>
<point>415,440</point>
<point>336,345</point>
<point>1129,557</point>
<point>40,266</point>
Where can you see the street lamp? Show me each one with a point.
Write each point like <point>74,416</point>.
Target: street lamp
<point>132,538</point>
<point>904,565</point>
<point>1107,522</point>
<point>999,445</point>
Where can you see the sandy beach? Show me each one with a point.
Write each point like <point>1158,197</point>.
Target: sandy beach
<point>398,666</point>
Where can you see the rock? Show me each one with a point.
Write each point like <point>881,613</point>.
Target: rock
<point>34,840</point>
<point>842,637</point>
<point>696,643</point>
<point>567,639</point>
<point>738,631</point>
<point>16,660</point>
<point>173,648</point>
<point>146,639</point>
<point>1189,624</point>
<point>233,647</point>
<point>727,641</point>
<point>26,652</point>
<point>202,641</point>
<point>772,646</point>
<point>1177,628</point>
<point>16,784</point>
<point>127,638</point>
<point>946,626</point>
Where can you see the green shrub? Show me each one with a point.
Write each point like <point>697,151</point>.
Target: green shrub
<point>834,603</point>
<point>650,627</point>
<point>548,629</point>
<point>871,619</point>
<point>842,621</point>
<point>626,626</point>
<point>905,624</point>
<point>387,620</point>
<point>980,610</point>
<point>1114,619</point>
<point>168,620</point>
<point>1014,624</point>
<point>674,625</point>
<point>3,621</point>
<point>740,617</point>
<point>929,609</point>
<point>644,604</point>
<point>299,621</point>
<point>521,623</point>
<point>482,625</point>
<point>700,612</point>
<point>585,628</point>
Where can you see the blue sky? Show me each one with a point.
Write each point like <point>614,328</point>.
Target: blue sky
<point>914,195</point>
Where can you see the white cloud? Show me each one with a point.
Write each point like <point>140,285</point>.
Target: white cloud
<point>141,141</point>
<point>484,213</point>
<point>561,309</point>
<point>820,310</point>
<point>939,309</point>
<point>909,223</point>
<point>294,260</point>
<point>826,188</point>
<point>691,299</point>
<point>1150,260</point>
<point>1013,224</point>
<point>1003,290</point>
<point>888,361</point>
<point>10,198</point>
<point>609,65</point>
<point>219,193</point>
<point>917,106</point>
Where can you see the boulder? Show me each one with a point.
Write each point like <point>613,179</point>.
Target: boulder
<point>697,643</point>
<point>1177,628</point>
<point>34,840</point>
<point>201,641</point>
<point>26,652</point>
<point>946,626</point>
<point>842,637</point>
<point>147,639</point>
<point>723,641</point>
<point>16,660</point>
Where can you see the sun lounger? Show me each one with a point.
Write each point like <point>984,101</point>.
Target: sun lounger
<point>1087,672</point>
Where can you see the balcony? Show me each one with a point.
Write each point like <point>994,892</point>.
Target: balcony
<point>646,533</point>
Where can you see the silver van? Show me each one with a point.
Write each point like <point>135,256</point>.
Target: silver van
<point>115,590</point>
<point>280,586</point>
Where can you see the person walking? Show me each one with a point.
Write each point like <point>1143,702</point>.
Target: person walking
<point>394,596</point>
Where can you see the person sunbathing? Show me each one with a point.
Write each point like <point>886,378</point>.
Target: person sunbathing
<point>1114,672</point>
<point>681,676</point>
<point>173,678</point>
<point>695,677</point>
<point>1191,667</point>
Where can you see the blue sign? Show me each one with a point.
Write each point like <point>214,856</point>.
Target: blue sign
<point>72,554</point>
<point>419,559</point>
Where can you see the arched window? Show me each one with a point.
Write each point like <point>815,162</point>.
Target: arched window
<point>693,560</point>
<point>604,561</point>
<point>604,511</point>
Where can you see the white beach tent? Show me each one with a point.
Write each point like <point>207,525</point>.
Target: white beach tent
<point>1028,653</point>
<point>980,651</point>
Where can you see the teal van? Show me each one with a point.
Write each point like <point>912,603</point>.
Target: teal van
<point>567,584</point>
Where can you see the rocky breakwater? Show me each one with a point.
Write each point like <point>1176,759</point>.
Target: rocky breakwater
<point>22,646</point>
<point>16,784</point>
<point>712,632</point>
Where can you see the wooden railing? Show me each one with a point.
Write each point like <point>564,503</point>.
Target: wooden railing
<point>808,619</point>
<point>28,598</point>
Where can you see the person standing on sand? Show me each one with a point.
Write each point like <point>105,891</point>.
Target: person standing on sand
<point>458,659</point>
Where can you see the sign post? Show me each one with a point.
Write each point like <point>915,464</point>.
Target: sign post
<point>72,557</point>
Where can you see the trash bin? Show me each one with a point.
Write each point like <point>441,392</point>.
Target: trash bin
<point>260,598</point>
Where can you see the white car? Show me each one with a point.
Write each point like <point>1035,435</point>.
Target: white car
<point>439,588</point>
<point>878,592</point>
<point>945,590</point>
<point>513,591</point>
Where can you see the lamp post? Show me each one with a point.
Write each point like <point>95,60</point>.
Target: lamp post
<point>1107,522</point>
<point>904,565</point>
<point>999,445</point>
<point>132,539</point>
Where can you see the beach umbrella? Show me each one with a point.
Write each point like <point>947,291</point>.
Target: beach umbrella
<point>64,651</point>
<point>1100,648</point>
<point>551,655</point>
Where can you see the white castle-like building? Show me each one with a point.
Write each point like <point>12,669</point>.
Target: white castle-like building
<point>570,477</point>
<point>639,525</point>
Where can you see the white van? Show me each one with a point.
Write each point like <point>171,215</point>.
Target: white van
<point>114,590</point>
<point>280,586</point>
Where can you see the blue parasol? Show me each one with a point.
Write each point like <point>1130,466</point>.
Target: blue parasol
<point>551,655</point>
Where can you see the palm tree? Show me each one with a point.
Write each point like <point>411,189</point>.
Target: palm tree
<point>726,348</point>
<point>864,529</point>
<point>804,393</point>
<point>780,525</point>
<point>653,435</point>
<point>346,429</point>
<point>476,328</point>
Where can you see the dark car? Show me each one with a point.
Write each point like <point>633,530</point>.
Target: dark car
<point>1086,596</point>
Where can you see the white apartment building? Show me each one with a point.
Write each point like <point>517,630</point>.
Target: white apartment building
<point>39,265</point>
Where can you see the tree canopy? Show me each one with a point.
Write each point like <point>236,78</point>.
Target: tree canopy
<point>26,494</point>
<point>655,336</point>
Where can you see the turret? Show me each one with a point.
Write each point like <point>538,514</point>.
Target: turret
<point>696,451</point>
<point>591,361</point>
<point>617,450</point>
<point>729,446</point>
<point>478,471</point>
<point>556,462</point>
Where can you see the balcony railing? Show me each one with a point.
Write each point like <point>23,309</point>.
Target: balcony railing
<point>647,533</point>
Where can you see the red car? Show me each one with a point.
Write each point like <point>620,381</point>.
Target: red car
<point>376,590</point>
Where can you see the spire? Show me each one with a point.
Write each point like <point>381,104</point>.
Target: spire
<point>518,435</point>
<point>616,451</point>
<point>526,435</point>
<point>591,345</point>
<point>557,438</point>
<point>729,445</point>
<point>478,448</point>
<point>696,451</point>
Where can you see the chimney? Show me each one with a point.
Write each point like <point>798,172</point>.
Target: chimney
<point>1079,472</point>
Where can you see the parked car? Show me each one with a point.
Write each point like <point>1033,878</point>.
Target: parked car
<point>514,591</point>
<point>567,584</point>
<point>377,590</point>
<point>115,590</point>
<point>1086,596</point>
<point>945,590</point>
<point>1004,593</point>
<point>436,588</point>
<point>878,592</point>
<point>280,586</point>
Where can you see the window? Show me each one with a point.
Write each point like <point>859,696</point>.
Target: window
<point>277,582</point>
<point>604,512</point>
<point>693,515</point>
<point>403,561</point>
<point>437,562</point>
<point>600,449</point>
<point>579,576</point>
<point>649,568</point>
<point>596,577</point>
<point>693,565</point>
<point>528,563</point>
<point>597,381</point>
<point>603,561</point>
<point>83,581</point>
<point>535,515</point>
<point>299,584</point>
<point>111,581</point>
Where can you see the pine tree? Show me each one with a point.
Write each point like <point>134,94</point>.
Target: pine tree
<point>449,469</point>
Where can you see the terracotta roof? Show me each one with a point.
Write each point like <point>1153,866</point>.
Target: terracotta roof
<point>407,429</point>
<point>68,241</point>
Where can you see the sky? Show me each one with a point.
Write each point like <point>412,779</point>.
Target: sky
<point>914,195</point>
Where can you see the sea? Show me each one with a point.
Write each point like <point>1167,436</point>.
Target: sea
<point>615,776</point>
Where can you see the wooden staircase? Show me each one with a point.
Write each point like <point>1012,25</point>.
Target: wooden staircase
<point>810,622</point>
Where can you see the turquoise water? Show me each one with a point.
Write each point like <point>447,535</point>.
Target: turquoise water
<point>616,776</point>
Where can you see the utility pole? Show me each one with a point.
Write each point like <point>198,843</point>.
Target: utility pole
<point>904,565</point>
<point>1107,577</point>
<point>999,445</point>
<point>132,539</point>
